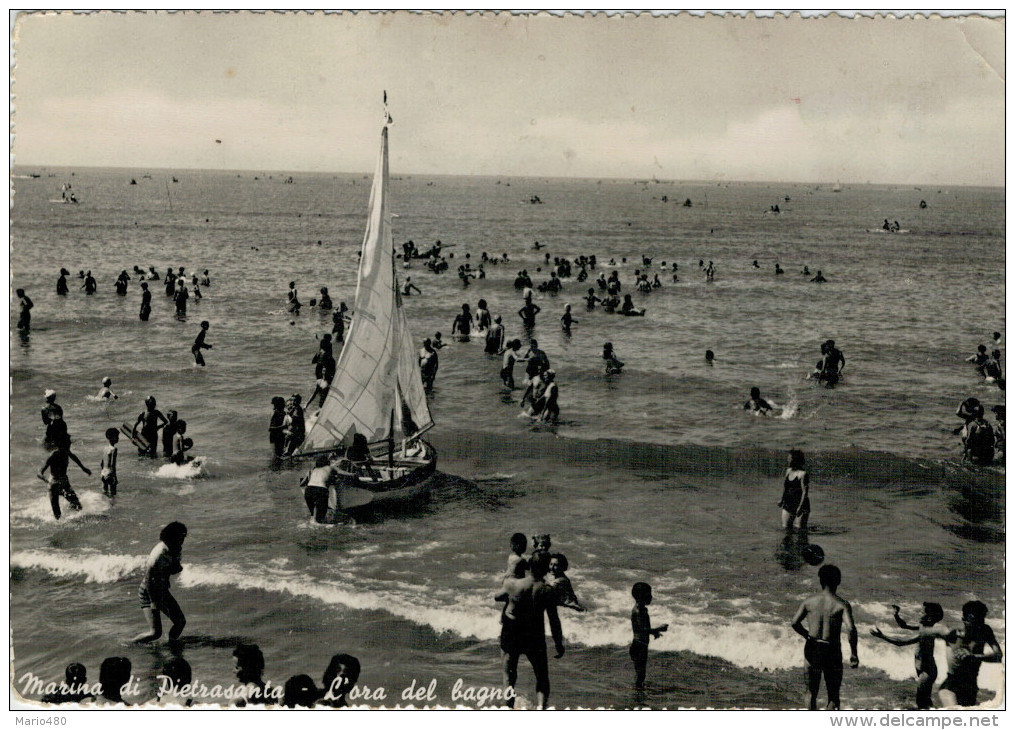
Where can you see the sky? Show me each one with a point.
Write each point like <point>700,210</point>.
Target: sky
<point>883,100</point>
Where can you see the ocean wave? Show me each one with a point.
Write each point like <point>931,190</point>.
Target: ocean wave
<point>759,644</point>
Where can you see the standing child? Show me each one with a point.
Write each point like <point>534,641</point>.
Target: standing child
<point>59,484</point>
<point>200,344</point>
<point>107,467</point>
<point>180,444</point>
<point>642,628</point>
<point>926,667</point>
<point>276,425</point>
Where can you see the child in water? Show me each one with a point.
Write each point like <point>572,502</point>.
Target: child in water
<point>104,392</point>
<point>926,667</point>
<point>641,626</point>
<point>613,365</point>
<point>107,467</point>
<point>181,444</point>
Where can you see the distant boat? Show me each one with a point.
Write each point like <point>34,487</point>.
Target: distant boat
<point>837,188</point>
<point>377,389</point>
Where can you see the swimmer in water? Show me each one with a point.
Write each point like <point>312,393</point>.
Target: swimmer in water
<point>408,287</point>
<point>462,325</point>
<point>511,355</point>
<point>709,357</point>
<point>628,309</point>
<point>200,344</point>
<point>146,303</point>
<point>819,278</point>
<point>59,484</point>
<point>613,365</point>
<point>567,320</point>
<point>104,392</point>
<point>757,404</point>
<point>181,444</point>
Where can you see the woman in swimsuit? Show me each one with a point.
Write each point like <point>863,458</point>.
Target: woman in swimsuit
<point>795,500</point>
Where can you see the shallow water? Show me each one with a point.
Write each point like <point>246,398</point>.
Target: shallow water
<point>656,474</point>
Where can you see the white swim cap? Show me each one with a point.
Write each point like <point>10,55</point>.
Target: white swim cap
<point>50,393</point>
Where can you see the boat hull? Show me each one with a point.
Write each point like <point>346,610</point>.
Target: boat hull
<point>410,481</point>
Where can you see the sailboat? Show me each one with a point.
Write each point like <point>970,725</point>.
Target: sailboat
<point>377,389</point>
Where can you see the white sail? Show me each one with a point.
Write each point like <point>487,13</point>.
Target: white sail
<point>377,380</point>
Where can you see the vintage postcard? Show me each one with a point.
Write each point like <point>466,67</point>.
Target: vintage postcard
<point>444,359</point>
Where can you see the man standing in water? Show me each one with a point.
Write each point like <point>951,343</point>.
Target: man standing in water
<point>522,631</point>
<point>825,614</point>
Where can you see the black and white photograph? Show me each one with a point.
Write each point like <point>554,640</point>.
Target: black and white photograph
<point>507,359</point>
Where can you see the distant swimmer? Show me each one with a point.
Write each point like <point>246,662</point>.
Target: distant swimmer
<point>778,269</point>
<point>180,298</point>
<point>338,319</point>
<point>641,627</point>
<point>629,310</point>
<point>709,357</point>
<point>104,392</point>
<point>613,365</point>
<point>757,404</point>
<point>833,363</point>
<point>437,342</point>
<point>710,272</point>
<point>25,312</point>
<point>294,299</point>
<point>992,371</point>
<point>59,483</point>
<point>408,288</point>
<point>495,337</point>
<point>567,320</point>
<point>825,615</point>
<point>121,284</point>
<point>511,355</point>
<point>200,344</point>
<point>61,283</point>
<point>146,303</point>
<point>980,358</point>
<point>997,338</point>
<point>796,484</point>
<point>591,300</point>
<point>819,278</point>
<point>978,440</point>
<point>755,264</point>
<point>89,286</point>
<point>806,271</point>
<point>462,326</point>
<point>206,279</point>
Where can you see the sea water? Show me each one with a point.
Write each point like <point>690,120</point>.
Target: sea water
<point>654,475</point>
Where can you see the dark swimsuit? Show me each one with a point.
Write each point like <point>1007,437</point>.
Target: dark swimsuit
<point>792,493</point>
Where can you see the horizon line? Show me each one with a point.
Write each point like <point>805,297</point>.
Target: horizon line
<point>636,180</point>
